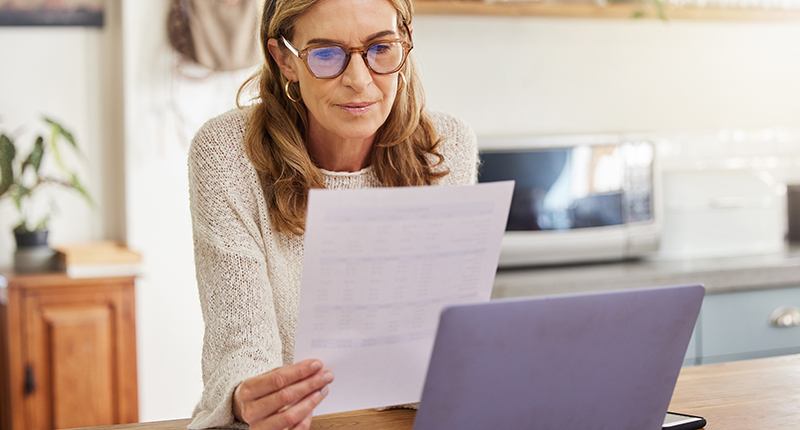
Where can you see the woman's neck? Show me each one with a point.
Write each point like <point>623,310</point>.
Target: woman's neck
<point>336,154</point>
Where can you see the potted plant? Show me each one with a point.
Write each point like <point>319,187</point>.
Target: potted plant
<point>23,176</point>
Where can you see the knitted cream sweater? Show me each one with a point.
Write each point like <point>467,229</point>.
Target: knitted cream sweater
<point>248,274</point>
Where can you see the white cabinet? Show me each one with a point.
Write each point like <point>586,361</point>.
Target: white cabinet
<point>738,326</point>
<point>692,358</point>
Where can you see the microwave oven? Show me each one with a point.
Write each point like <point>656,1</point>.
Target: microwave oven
<point>584,198</point>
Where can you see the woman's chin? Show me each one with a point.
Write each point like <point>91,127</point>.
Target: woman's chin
<point>362,128</point>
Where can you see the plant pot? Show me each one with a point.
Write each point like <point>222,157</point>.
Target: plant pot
<point>33,255</point>
<point>31,239</point>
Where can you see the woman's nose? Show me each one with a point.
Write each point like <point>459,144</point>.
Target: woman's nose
<point>357,74</point>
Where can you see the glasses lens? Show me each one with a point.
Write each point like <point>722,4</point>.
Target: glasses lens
<point>385,57</point>
<point>326,61</point>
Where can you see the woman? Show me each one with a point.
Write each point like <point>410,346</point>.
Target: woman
<point>339,106</point>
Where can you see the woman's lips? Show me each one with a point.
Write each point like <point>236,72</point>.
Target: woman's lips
<point>356,108</point>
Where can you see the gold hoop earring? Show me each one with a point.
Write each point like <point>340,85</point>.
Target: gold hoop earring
<point>404,82</point>
<point>289,93</point>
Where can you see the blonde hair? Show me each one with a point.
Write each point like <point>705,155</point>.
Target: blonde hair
<point>405,150</point>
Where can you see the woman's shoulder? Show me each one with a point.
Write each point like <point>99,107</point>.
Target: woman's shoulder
<point>450,127</point>
<point>221,139</point>
<point>459,147</point>
<point>456,136</point>
<point>227,128</point>
<point>218,147</point>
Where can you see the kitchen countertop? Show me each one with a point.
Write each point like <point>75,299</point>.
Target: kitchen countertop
<point>718,275</point>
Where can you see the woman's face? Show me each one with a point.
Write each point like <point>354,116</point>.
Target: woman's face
<point>352,106</point>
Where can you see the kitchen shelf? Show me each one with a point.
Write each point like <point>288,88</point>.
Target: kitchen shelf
<point>590,10</point>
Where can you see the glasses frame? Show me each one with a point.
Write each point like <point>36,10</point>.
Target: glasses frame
<point>303,54</point>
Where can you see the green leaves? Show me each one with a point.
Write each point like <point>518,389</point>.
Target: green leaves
<point>20,183</point>
<point>74,183</point>
<point>58,130</point>
<point>7,154</point>
<point>35,157</point>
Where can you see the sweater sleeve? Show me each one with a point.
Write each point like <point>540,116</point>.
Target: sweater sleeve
<point>241,334</point>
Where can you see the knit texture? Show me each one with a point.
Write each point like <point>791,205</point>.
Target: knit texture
<point>248,274</point>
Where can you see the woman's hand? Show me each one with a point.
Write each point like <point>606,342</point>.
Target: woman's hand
<point>282,398</point>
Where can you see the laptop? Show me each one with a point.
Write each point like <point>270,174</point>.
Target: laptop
<point>591,361</point>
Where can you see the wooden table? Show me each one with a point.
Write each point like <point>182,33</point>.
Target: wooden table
<point>741,395</point>
<point>753,394</point>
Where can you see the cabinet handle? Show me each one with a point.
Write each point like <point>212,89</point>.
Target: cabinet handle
<point>30,380</point>
<point>785,316</point>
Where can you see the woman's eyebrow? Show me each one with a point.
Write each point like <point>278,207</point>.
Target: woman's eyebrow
<point>381,34</point>
<point>372,37</point>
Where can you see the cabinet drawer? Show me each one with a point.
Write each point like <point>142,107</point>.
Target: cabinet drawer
<point>737,325</point>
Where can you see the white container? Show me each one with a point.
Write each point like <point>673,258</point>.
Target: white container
<point>720,213</point>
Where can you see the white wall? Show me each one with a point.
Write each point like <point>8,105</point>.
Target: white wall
<point>544,76</point>
<point>502,75</point>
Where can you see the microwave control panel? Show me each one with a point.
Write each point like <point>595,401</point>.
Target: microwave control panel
<point>638,183</point>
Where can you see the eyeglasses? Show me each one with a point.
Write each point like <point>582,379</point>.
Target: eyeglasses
<point>329,60</point>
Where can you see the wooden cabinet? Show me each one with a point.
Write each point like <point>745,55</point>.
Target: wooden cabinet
<point>68,352</point>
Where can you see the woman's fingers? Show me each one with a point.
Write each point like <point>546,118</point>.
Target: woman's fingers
<point>274,380</point>
<point>297,416</point>
<point>288,396</point>
<point>290,385</point>
<point>304,425</point>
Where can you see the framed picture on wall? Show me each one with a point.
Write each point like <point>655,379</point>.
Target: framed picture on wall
<point>52,12</point>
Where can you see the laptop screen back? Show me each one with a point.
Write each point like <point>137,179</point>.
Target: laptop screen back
<point>595,361</point>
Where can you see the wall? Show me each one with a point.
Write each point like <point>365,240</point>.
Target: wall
<point>543,76</point>
<point>503,75</point>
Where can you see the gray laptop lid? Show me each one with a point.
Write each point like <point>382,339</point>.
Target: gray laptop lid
<point>592,361</point>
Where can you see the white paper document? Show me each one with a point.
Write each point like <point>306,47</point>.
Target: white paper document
<point>380,264</point>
